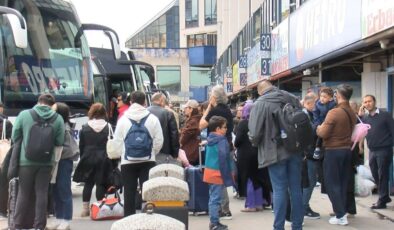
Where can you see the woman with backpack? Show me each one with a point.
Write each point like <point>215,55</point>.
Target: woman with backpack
<point>93,139</point>
<point>62,194</point>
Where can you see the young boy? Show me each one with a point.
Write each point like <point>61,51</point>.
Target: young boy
<point>217,173</point>
<point>325,103</point>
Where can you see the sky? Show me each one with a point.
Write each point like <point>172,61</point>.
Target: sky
<point>124,16</point>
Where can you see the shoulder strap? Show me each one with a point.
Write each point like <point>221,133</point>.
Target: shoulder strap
<point>34,115</point>
<point>142,122</point>
<point>350,118</point>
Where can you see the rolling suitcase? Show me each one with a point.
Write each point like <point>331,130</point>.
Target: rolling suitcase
<point>13,192</point>
<point>199,191</point>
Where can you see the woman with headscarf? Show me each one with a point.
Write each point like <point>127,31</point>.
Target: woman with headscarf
<point>190,133</point>
<point>247,164</point>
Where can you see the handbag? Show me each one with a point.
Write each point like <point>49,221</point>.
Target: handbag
<point>107,208</point>
<point>5,144</point>
<point>114,146</point>
<point>360,130</point>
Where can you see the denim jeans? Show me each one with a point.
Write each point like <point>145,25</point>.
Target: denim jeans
<point>215,198</point>
<point>286,176</point>
<point>337,168</point>
<point>312,177</point>
<point>62,193</point>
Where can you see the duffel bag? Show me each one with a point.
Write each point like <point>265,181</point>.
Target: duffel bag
<point>107,208</point>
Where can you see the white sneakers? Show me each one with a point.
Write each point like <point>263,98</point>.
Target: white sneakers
<point>58,224</point>
<point>341,221</point>
<point>65,225</point>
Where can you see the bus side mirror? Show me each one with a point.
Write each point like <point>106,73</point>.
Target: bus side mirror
<point>113,36</point>
<point>114,43</point>
<point>18,26</point>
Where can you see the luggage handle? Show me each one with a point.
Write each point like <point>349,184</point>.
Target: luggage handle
<point>106,196</point>
<point>200,147</point>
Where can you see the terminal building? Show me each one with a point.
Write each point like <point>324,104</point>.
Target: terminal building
<point>180,42</point>
<point>299,45</point>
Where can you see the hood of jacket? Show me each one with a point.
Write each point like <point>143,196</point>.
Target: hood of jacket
<point>44,111</point>
<point>274,95</point>
<point>136,112</point>
<point>214,138</point>
<point>97,124</point>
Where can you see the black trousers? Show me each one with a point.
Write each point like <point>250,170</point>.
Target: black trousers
<point>32,199</point>
<point>131,175</point>
<point>337,169</point>
<point>3,193</point>
<point>379,162</point>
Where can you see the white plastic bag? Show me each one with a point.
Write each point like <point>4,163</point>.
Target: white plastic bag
<point>363,187</point>
<point>364,172</point>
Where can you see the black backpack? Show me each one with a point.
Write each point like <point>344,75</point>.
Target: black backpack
<point>295,129</point>
<point>41,140</point>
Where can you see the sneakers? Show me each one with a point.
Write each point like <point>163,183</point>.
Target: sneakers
<point>310,214</point>
<point>341,221</point>
<point>225,215</point>
<point>64,225</point>
<point>217,226</point>
<point>52,225</point>
<point>317,154</point>
<point>58,224</point>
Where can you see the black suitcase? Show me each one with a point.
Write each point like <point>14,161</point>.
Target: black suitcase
<point>178,213</point>
<point>13,193</point>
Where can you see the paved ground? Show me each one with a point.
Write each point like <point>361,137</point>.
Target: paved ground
<point>365,219</point>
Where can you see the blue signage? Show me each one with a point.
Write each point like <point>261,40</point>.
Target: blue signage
<point>243,81</point>
<point>243,61</point>
<point>320,27</point>
<point>265,66</point>
<point>265,42</point>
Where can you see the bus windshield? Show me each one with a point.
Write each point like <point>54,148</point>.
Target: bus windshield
<point>51,63</point>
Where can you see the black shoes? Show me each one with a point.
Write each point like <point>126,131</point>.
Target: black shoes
<point>378,206</point>
<point>217,226</point>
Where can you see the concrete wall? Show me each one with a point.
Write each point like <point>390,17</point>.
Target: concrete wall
<point>168,57</point>
<point>232,17</point>
<point>201,29</point>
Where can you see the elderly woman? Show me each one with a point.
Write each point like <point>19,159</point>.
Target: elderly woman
<point>336,131</point>
<point>218,107</point>
<point>190,132</point>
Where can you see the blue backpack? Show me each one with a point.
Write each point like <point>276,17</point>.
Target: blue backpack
<point>138,142</point>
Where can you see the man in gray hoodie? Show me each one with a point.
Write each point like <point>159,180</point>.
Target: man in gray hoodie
<point>284,167</point>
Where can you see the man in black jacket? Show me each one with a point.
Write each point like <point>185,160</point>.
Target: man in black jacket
<point>168,125</point>
<point>380,139</point>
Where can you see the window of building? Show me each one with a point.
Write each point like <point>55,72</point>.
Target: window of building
<point>240,44</point>
<point>210,12</point>
<point>169,78</point>
<point>256,27</point>
<point>285,9</point>
<point>201,40</point>
<point>200,76</point>
<point>191,10</point>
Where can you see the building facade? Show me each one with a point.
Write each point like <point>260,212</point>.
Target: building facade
<point>180,42</point>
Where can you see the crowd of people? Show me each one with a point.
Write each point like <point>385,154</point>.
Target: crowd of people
<point>244,149</point>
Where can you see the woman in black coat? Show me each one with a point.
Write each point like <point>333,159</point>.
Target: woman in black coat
<point>92,144</point>
<point>248,165</point>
